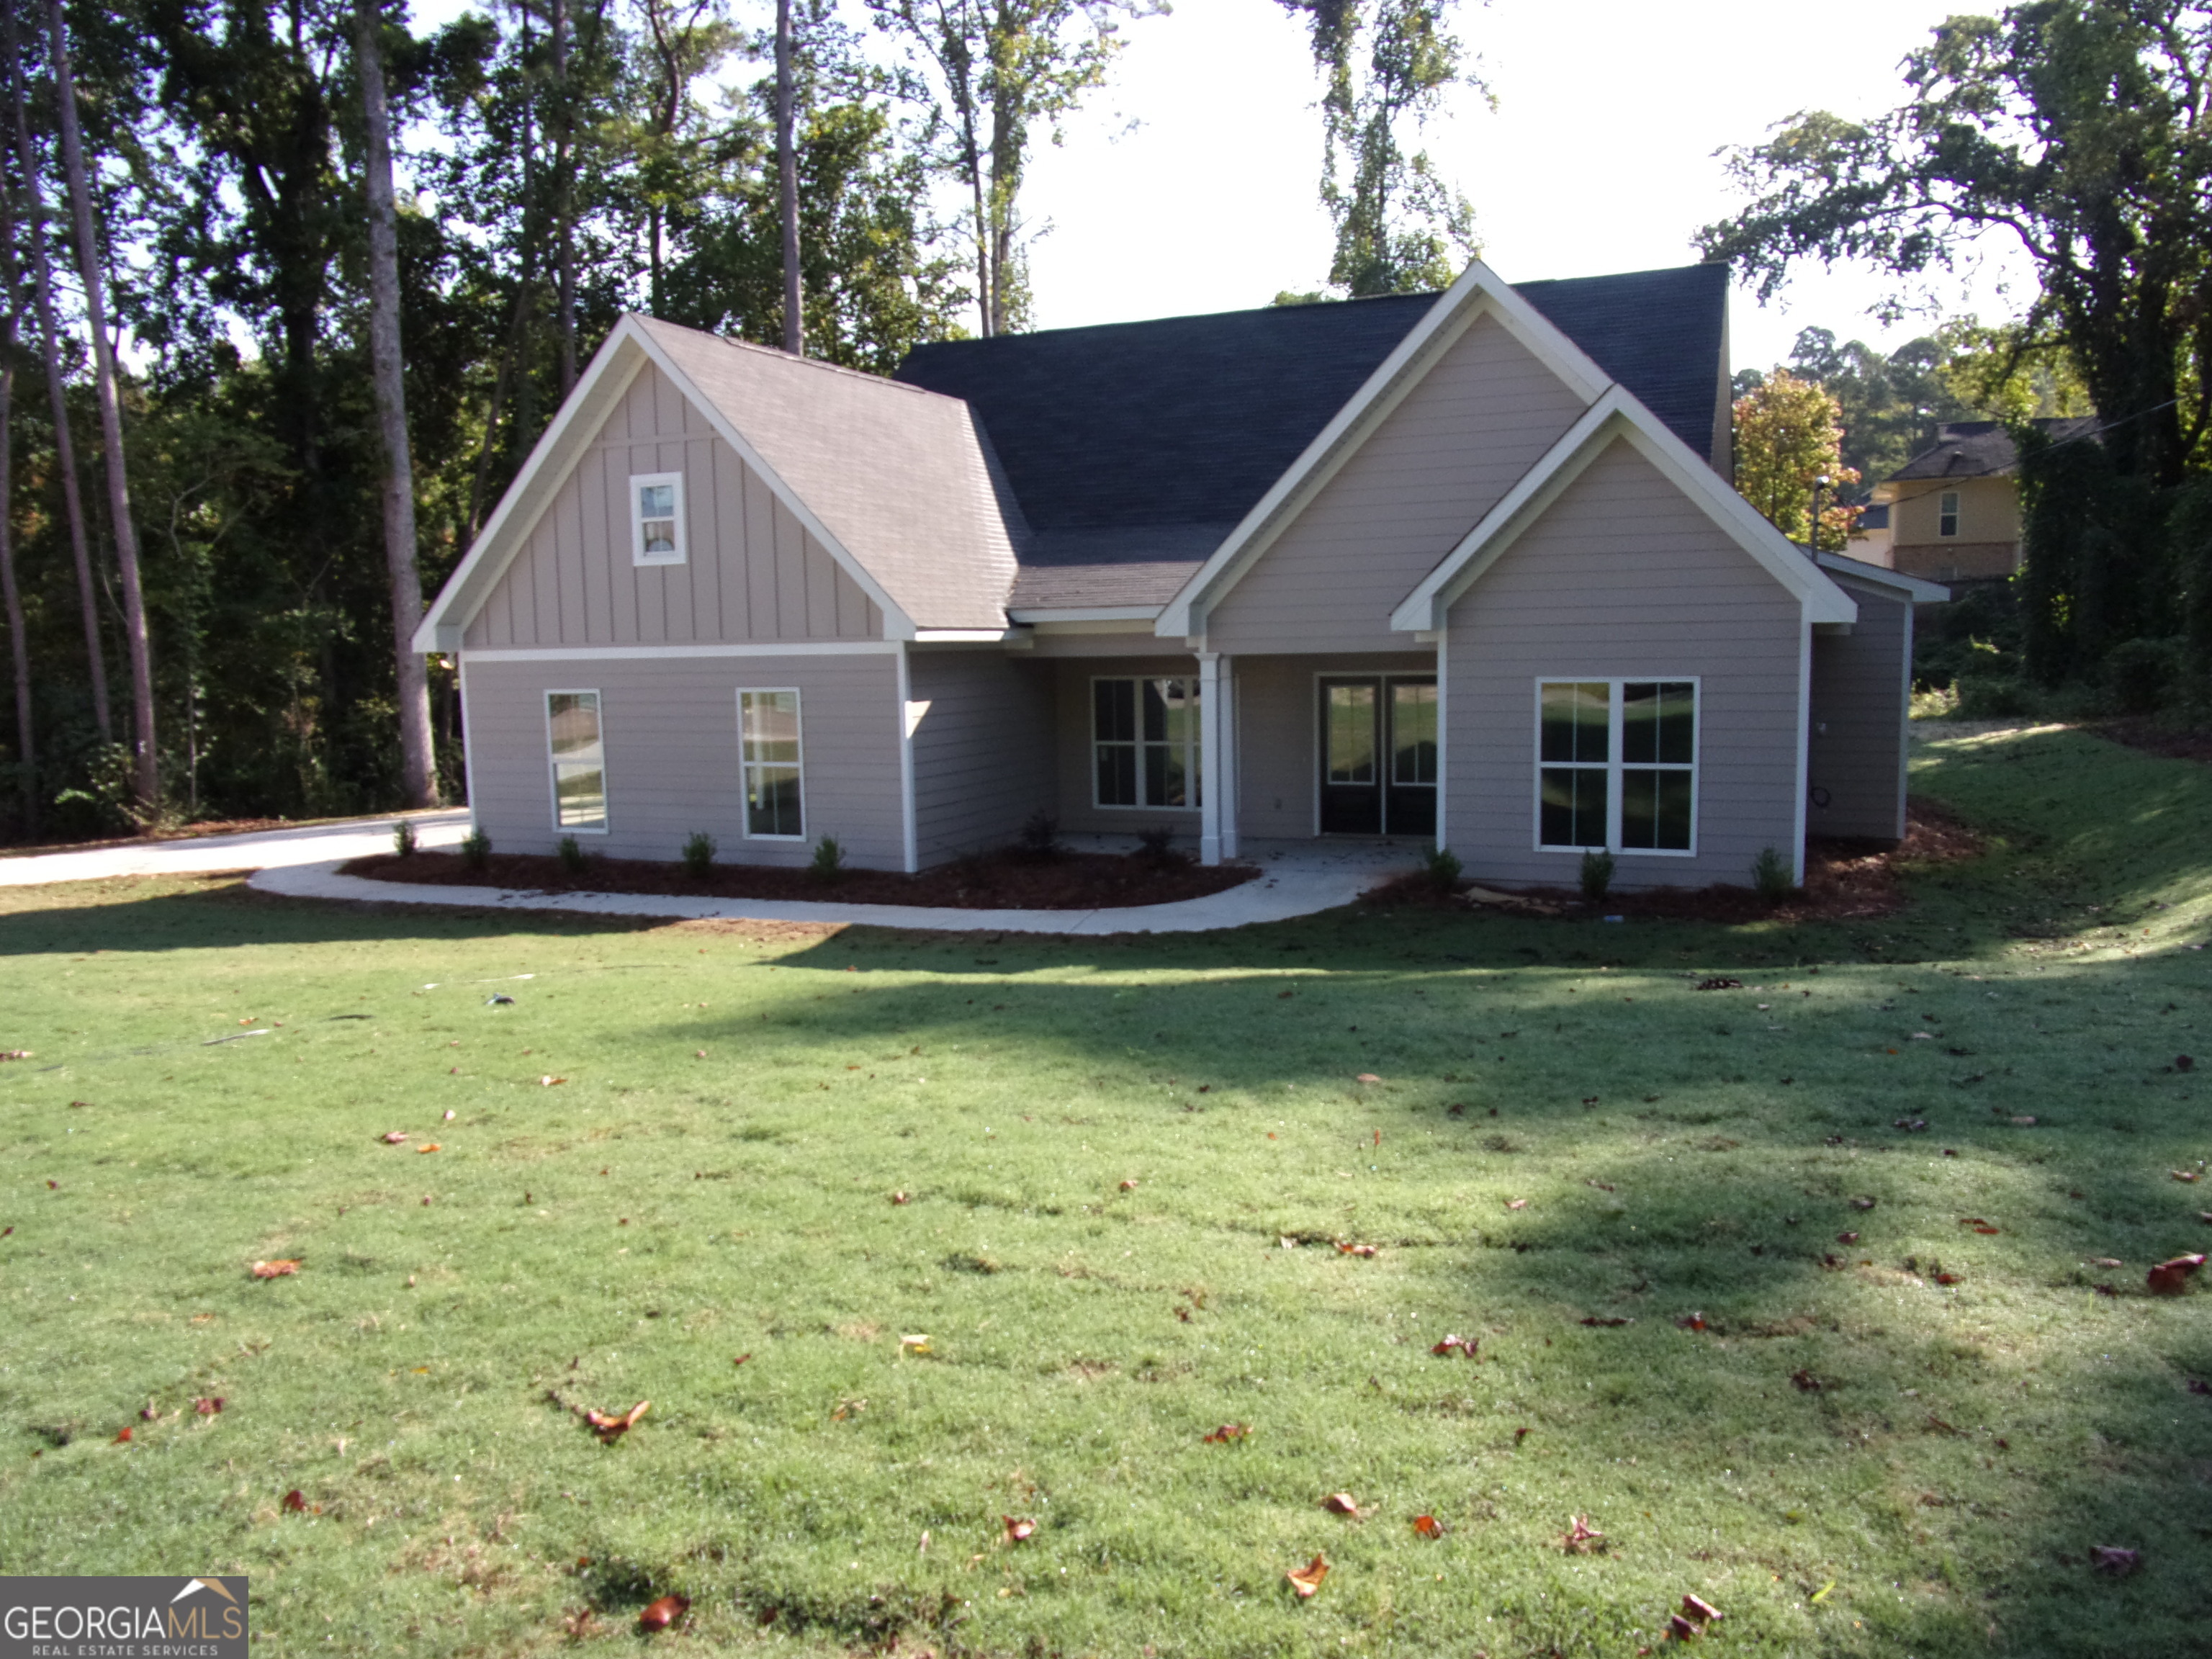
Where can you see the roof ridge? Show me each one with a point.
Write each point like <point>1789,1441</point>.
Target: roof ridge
<point>783,357</point>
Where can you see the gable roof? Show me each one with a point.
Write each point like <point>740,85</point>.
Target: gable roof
<point>1616,415</point>
<point>1980,449</point>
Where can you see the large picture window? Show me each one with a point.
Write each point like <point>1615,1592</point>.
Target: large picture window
<point>768,740</point>
<point>656,509</point>
<point>579,760</point>
<point>1144,742</point>
<point>1617,765</point>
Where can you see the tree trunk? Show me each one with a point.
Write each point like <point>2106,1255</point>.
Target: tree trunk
<point>418,768</point>
<point>19,645</point>
<point>564,192</point>
<point>147,772</point>
<point>786,167</point>
<point>58,390</point>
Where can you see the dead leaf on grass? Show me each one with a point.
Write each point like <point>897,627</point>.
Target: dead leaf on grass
<point>122,1437</point>
<point>210,1407</point>
<point>2188,1176</point>
<point>2106,1261</point>
<point>1847,1238</point>
<point>1945,1278</point>
<point>1307,1579</point>
<point>1806,1382</point>
<point>1455,1344</point>
<point>1341,1503</point>
<point>1342,1248</point>
<point>1129,1186</point>
<point>1608,1320</point>
<point>1427,1526</point>
<point>393,1137</point>
<point>577,1624</point>
<point>275,1269</point>
<point>1367,1077</point>
<point>1692,1321</point>
<point>2118,1563</point>
<point>1018,1529</point>
<point>1977,1224</point>
<point>1517,1203</point>
<point>1227,1432</point>
<point>902,1197</point>
<point>547,1083</point>
<point>611,1426</point>
<point>918,1343</point>
<point>1582,1537</point>
<point>2171,1277</point>
<point>430,1146</point>
<point>295,1501</point>
<point>1862,1204</point>
<point>661,1614</point>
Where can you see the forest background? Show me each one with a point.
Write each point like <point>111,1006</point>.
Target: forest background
<point>571,159</point>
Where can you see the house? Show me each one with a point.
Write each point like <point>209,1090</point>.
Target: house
<point>1459,569</point>
<point>1951,513</point>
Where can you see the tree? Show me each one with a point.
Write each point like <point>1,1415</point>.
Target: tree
<point>2076,129</point>
<point>146,770</point>
<point>1789,437</point>
<point>787,183</point>
<point>417,766</point>
<point>1889,404</point>
<point>1401,228</point>
<point>994,71</point>
<point>11,597</point>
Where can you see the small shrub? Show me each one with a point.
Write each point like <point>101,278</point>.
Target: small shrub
<point>698,855</point>
<point>573,857</point>
<point>1771,875</point>
<point>1597,875</point>
<point>1992,697</point>
<point>1441,867</point>
<point>2143,676</point>
<point>828,860</point>
<point>403,838</point>
<point>1156,846</point>
<point>1041,834</point>
<point>476,849</point>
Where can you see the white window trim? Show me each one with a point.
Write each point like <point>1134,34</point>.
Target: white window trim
<point>639,481</point>
<point>745,813</point>
<point>1615,763</point>
<point>553,777</point>
<point>1954,513</point>
<point>1197,746</point>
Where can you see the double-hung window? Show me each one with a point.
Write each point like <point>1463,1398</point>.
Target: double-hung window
<point>579,761</point>
<point>656,516</point>
<point>1144,742</point>
<point>1947,514</point>
<point>768,756</point>
<point>1617,765</point>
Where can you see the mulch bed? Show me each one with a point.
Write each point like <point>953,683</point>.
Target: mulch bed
<point>990,881</point>
<point>1845,880</point>
<point>2139,731</point>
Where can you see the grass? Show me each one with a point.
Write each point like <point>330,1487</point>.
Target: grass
<point>630,1232</point>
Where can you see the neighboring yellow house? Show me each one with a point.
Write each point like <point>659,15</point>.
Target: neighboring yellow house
<point>1951,513</point>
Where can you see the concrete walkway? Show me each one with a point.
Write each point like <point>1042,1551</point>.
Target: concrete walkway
<point>1296,878</point>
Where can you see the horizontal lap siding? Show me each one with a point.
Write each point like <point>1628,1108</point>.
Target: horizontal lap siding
<point>1623,576</point>
<point>982,749</point>
<point>1481,416</point>
<point>670,729</point>
<point>1072,747</point>
<point>751,571</point>
<point>1856,748</point>
<point>1279,754</point>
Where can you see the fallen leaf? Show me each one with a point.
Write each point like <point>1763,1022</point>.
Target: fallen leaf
<point>548,1083</point>
<point>2188,1176</point>
<point>2171,1277</point>
<point>1806,1382</point>
<point>1307,1579</point>
<point>1018,1529</point>
<point>1367,1077</point>
<point>661,1614</point>
<point>1227,1432</point>
<point>1606,1319</point>
<point>1977,1224</point>
<point>611,1427</point>
<point>208,1407</point>
<point>2106,1261</point>
<point>1582,1537</point>
<point>919,1344</point>
<point>1428,1526</point>
<point>576,1624</point>
<point>1703,1612</point>
<point>393,1137</point>
<point>902,1197</point>
<point>297,1501</point>
<point>123,1436</point>
<point>430,1146</point>
<point>2118,1563</point>
<point>1862,1204</point>
<point>2198,1385</point>
<point>1128,1186</point>
<point>1602,1186</point>
<point>1695,1321</point>
<point>1945,1278</point>
<point>1517,1203</point>
<point>1847,1238</point>
<point>1452,1345</point>
<point>1343,1249</point>
<point>149,1412</point>
<point>741,1359</point>
<point>1720,985</point>
<point>2026,1122</point>
<point>1340,1503</point>
<point>275,1269</point>
<point>2185,1063</point>
<point>449,1114</point>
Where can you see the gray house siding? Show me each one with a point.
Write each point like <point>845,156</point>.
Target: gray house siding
<point>1077,788</point>
<point>1278,752</point>
<point>668,725</point>
<point>1482,416</point>
<point>1860,688</point>
<point>752,570</point>
<point>982,749</point>
<point>1623,576</point>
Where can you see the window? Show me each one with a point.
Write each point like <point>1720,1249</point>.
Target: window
<point>580,768</point>
<point>656,511</point>
<point>768,741</point>
<point>1414,732</point>
<point>1144,742</point>
<point>1947,514</point>
<point>1617,765</point>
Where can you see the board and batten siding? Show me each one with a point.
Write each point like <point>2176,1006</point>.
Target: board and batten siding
<point>1623,576</point>
<point>982,725</point>
<point>1483,415</point>
<point>1279,735</point>
<point>751,571</point>
<point>1077,787</point>
<point>668,725</point>
<point>1861,695</point>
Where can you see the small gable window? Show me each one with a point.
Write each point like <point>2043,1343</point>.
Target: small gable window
<point>768,741</point>
<point>656,503</point>
<point>1617,765</point>
<point>1947,514</point>
<point>1144,742</point>
<point>580,766</point>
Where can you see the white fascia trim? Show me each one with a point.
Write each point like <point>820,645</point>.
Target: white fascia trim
<point>1618,414</point>
<point>1096,613</point>
<point>1479,291</point>
<point>650,652</point>
<point>606,379</point>
<point>1919,590</point>
<point>967,635</point>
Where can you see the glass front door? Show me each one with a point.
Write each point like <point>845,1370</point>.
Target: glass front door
<point>1379,755</point>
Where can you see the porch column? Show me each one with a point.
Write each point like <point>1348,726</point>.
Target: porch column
<point>1217,811</point>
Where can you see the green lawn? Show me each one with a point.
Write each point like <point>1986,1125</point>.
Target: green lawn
<point>631,1232</point>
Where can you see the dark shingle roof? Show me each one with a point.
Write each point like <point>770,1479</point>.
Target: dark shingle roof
<point>1188,421</point>
<point>1978,449</point>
